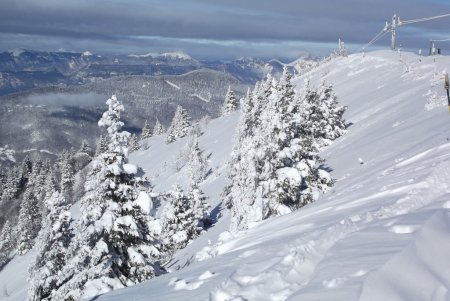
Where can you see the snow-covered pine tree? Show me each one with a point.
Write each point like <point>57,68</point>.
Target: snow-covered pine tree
<point>85,148</point>
<point>246,162</point>
<point>231,103</point>
<point>11,187</point>
<point>7,243</point>
<point>102,146</point>
<point>52,246</point>
<point>25,171</point>
<point>134,143</point>
<point>146,131</point>
<point>179,127</point>
<point>3,180</point>
<point>49,184</point>
<point>325,118</point>
<point>37,179</point>
<point>179,221</point>
<point>200,207</point>
<point>158,129</point>
<point>274,167</point>
<point>290,176</point>
<point>67,175</point>
<point>29,222</point>
<point>198,164</point>
<point>114,246</point>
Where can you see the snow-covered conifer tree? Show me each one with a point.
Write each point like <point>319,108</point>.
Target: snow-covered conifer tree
<point>11,187</point>
<point>200,207</point>
<point>67,175</point>
<point>179,127</point>
<point>158,129</point>
<point>25,171</point>
<point>275,161</point>
<point>325,118</point>
<point>246,162</point>
<point>37,181</point>
<point>6,238</point>
<point>7,243</point>
<point>52,247</point>
<point>114,246</point>
<point>146,131</point>
<point>102,146</point>
<point>182,220</point>
<point>29,222</point>
<point>134,143</point>
<point>198,165</point>
<point>231,103</point>
<point>291,177</point>
<point>85,148</point>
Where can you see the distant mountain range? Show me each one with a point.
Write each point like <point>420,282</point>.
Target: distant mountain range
<point>52,100</point>
<point>22,69</point>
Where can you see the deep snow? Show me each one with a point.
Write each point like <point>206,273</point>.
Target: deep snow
<point>381,233</point>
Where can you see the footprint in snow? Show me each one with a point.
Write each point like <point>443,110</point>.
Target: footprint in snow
<point>335,282</point>
<point>181,284</point>
<point>359,273</point>
<point>206,275</point>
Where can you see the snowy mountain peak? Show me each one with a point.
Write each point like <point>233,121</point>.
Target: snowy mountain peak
<point>87,53</point>
<point>178,55</point>
<point>17,52</point>
<point>150,54</point>
<point>174,55</point>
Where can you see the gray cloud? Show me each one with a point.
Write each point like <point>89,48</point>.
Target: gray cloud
<point>115,26</point>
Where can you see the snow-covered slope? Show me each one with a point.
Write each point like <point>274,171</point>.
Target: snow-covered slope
<point>381,233</point>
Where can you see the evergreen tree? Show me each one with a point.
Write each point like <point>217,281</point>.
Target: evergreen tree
<point>146,131</point>
<point>200,207</point>
<point>3,181</point>
<point>67,175</point>
<point>274,167</point>
<point>7,243</point>
<point>53,243</point>
<point>29,222</point>
<point>292,178</point>
<point>325,119</point>
<point>11,187</point>
<point>158,129</point>
<point>6,237</point>
<point>114,246</point>
<point>85,148</point>
<point>134,143</point>
<point>37,178</point>
<point>102,146</point>
<point>247,159</point>
<point>231,103</point>
<point>183,218</point>
<point>179,127</point>
<point>198,165</point>
<point>25,171</point>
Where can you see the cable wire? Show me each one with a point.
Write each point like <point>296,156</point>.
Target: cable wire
<point>422,19</point>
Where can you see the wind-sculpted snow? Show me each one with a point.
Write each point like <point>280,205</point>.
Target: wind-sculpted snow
<point>381,233</point>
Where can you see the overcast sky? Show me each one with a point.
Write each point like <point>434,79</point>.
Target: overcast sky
<point>208,29</point>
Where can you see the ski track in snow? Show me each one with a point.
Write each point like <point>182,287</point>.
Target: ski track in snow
<point>172,84</point>
<point>200,97</point>
<point>289,270</point>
